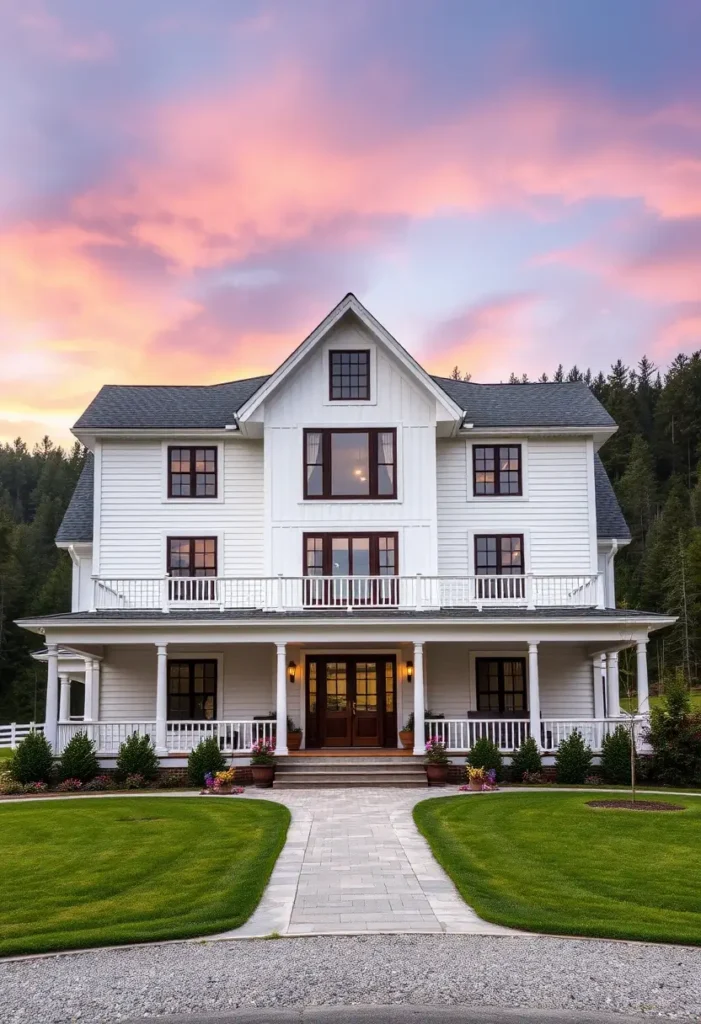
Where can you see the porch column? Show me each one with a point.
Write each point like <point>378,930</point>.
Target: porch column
<point>281,709</point>
<point>161,698</point>
<point>534,692</point>
<point>64,707</point>
<point>643,692</point>
<point>96,690</point>
<point>88,708</point>
<point>598,673</point>
<point>614,701</point>
<point>51,716</point>
<point>419,703</point>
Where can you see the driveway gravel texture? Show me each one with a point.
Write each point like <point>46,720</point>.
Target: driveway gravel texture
<point>217,977</point>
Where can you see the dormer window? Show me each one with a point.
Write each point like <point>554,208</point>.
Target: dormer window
<point>349,376</point>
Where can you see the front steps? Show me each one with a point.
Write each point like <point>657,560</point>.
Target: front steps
<point>348,772</point>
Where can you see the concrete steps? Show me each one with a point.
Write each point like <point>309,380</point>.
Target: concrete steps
<point>349,772</point>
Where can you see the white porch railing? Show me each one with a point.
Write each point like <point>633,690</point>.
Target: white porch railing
<point>461,734</point>
<point>181,737</point>
<point>289,593</point>
<point>14,733</point>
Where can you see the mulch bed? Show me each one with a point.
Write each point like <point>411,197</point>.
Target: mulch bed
<point>635,805</point>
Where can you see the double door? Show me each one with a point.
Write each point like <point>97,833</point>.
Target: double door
<point>351,701</point>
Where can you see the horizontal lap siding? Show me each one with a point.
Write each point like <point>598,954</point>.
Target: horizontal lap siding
<point>448,678</point>
<point>566,682</point>
<point>555,518</point>
<point>135,519</point>
<point>128,684</point>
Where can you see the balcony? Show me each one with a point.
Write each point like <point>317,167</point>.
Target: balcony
<point>318,593</point>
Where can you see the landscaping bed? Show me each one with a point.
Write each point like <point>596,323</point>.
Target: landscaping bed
<point>82,873</point>
<point>547,862</point>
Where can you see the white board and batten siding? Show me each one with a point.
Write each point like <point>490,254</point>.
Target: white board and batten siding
<point>397,401</point>
<point>553,514</point>
<point>136,515</point>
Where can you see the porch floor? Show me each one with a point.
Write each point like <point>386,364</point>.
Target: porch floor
<point>351,752</point>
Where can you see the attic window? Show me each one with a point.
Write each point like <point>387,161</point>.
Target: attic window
<point>349,376</point>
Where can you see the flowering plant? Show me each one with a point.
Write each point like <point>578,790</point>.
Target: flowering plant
<point>134,781</point>
<point>36,787</point>
<point>100,783</point>
<point>534,779</point>
<point>436,752</point>
<point>69,786</point>
<point>263,752</point>
<point>485,778</point>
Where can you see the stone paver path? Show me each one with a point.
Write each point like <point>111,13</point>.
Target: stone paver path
<point>355,862</point>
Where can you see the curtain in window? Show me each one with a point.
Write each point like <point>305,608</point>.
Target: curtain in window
<point>387,448</point>
<point>313,445</point>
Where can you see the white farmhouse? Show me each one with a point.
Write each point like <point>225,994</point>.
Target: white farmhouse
<point>346,542</point>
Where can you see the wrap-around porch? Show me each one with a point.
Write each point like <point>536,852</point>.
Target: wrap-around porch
<point>353,695</point>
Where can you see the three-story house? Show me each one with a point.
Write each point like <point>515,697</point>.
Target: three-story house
<point>346,542</point>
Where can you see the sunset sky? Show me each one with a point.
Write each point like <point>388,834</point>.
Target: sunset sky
<point>186,188</point>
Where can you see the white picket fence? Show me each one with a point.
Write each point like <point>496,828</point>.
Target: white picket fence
<point>14,733</point>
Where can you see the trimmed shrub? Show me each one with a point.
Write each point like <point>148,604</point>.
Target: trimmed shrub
<point>33,760</point>
<point>675,737</point>
<point>137,757</point>
<point>135,781</point>
<point>573,760</point>
<point>100,784</point>
<point>79,759</point>
<point>615,757</point>
<point>485,754</point>
<point>69,786</point>
<point>206,757</point>
<point>9,787</point>
<point>526,759</point>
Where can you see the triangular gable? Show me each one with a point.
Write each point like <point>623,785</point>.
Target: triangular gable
<point>451,411</point>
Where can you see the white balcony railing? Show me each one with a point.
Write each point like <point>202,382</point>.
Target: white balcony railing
<point>290,593</point>
<point>461,734</point>
<point>181,737</point>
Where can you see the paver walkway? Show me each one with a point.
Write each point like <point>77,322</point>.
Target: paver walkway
<point>355,862</point>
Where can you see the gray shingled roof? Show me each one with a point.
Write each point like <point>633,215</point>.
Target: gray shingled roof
<point>78,520</point>
<point>609,517</point>
<point>527,405</point>
<point>76,526</point>
<point>167,408</point>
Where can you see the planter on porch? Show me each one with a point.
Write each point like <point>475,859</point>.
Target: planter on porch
<point>406,738</point>
<point>294,740</point>
<point>437,774</point>
<point>263,775</point>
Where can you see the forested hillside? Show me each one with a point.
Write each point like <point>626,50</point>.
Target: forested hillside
<point>653,461</point>
<point>35,577</point>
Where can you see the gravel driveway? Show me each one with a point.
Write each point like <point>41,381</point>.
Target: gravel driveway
<point>217,977</point>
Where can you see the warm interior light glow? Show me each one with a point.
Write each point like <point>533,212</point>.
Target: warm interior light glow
<point>409,671</point>
<point>292,671</point>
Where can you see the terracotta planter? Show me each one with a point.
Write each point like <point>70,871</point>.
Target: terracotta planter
<point>294,740</point>
<point>476,787</point>
<point>223,790</point>
<point>406,738</point>
<point>263,775</point>
<point>437,774</point>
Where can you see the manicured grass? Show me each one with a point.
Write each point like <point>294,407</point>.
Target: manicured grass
<point>630,704</point>
<point>90,872</point>
<point>5,753</point>
<point>545,862</point>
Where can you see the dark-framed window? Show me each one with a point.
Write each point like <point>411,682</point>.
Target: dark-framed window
<point>192,472</point>
<point>371,557</point>
<point>496,469</point>
<point>192,690</point>
<point>191,562</point>
<point>348,463</point>
<point>501,685</point>
<point>499,554</point>
<point>349,375</point>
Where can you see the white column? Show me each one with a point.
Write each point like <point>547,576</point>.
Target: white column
<point>88,710</point>
<point>534,692</point>
<point>614,701</point>
<point>96,690</point>
<point>281,708</point>
<point>64,707</point>
<point>51,717</point>
<point>643,691</point>
<point>419,705</point>
<point>598,673</point>
<point>161,698</point>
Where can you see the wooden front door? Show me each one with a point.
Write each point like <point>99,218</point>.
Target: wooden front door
<point>351,701</point>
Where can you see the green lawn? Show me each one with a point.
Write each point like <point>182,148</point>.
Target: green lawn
<point>5,753</point>
<point>545,862</point>
<point>630,704</point>
<point>87,872</point>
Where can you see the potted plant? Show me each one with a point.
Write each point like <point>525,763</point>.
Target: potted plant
<point>481,780</point>
<point>437,762</point>
<point>294,735</point>
<point>263,763</point>
<point>406,735</point>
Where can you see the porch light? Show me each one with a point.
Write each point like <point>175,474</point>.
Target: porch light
<point>409,671</point>
<point>292,671</point>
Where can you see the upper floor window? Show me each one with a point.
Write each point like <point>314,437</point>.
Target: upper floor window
<point>499,555</point>
<point>192,561</point>
<point>192,472</point>
<point>497,469</point>
<point>349,376</point>
<point>350,464</point>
